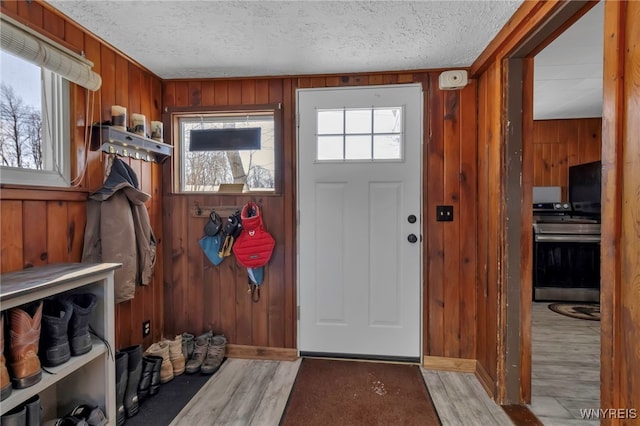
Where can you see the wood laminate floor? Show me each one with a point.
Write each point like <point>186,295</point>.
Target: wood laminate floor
<point>565,379</point>
<point>565,372</point>
<point>252,392</point>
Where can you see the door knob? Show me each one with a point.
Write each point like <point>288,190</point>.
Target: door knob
<point>412,238</point>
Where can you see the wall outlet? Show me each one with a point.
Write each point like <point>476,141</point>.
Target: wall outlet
<point>444,213</point>
<point>146,328</point>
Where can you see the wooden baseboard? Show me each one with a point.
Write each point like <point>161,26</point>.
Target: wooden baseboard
<point>261,352</point>
<point>485,380</point>
<point>449,364</point>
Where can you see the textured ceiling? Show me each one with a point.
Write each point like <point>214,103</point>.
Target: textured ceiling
<point>240,38</point>
<point>202,39</point>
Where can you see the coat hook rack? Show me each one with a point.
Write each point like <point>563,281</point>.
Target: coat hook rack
<point>204,211</point>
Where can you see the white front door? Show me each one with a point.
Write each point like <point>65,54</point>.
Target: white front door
<point>359,198</point>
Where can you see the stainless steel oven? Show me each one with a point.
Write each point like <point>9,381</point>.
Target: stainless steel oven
<point>566,259</point>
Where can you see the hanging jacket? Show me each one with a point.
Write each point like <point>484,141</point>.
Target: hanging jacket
<point>118,230</point>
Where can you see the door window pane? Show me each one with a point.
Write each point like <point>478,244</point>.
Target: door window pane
<point>357,148</point>
<point>358,121</point>
<point>331,122</point>
<point>373,134</point>
<point>330,148</point>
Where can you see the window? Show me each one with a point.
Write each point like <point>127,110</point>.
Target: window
<point>359,134</point>
<point>227,147</point>
<point>34,124</point>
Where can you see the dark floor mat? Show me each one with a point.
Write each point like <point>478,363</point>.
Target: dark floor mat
<point>163,407</point>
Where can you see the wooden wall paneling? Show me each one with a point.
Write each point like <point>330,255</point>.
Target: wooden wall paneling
<point>247,315</point>
<point>260,311</point>
<point>156,217</point>
<point>468,219</point>
<point>262,91</point>
<point>235,92</point>
<point>612,205</point>
<point>482,226</point>
<point>289,195</point>
<point>109,79</point>
<point>53,24</point>
<point>526,243</point>
<point>12,246</point>
<point>57,237</point>
<point>76,223</point>
<point>434,338</point>
<point>182,98</point>
<point>32,12</point>
<point>248,92</point>
<point>176,302</point>
<point>94,175</point>
<point>274,326</point>
<point>135,93</point>
<point>228,287</point>
<point>34,232</point>
<point>195,93</point>
<point>146,101</point>
<point>221,92</point>
<point>194,288</point>
<point>10,6</point>
<point>207,89</point>
<point>168,98</point>
<point>630,241</point>
<point>451,270</point>
<point>74,37</point>
<point>121,86</point>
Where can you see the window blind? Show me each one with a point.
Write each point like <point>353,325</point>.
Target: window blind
<point>18,40</point>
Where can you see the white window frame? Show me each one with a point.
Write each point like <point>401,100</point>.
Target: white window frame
<point>55,138</point>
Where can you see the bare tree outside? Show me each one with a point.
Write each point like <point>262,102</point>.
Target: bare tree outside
<point>20,131</point>
<point>206,170</point>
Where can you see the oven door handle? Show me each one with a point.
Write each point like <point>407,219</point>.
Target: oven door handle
<point>567,238</point>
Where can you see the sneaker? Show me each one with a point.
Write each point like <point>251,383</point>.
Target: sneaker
<point>92,414</point>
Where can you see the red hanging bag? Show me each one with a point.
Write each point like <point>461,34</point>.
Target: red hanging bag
<point>254,245</point>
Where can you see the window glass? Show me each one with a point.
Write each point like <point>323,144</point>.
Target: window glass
<point>34,128</point>
<point>207,162</point>
<point>360,134</point>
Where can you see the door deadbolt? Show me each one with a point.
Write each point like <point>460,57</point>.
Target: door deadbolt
<point>412,238</point>
<point>412,218</point>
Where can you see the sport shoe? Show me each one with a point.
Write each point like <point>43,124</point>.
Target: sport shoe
<point>92,414</point>
<point>201,346</point>
<point>215,355</point>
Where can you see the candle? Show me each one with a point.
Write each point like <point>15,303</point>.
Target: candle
<point>156,130</point>
<point>139,124</point>
<point>119,117</point>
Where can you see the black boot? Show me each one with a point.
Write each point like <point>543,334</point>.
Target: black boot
<point>135,370</point>
<point>79,337</point>
<point>122,374</point>
<point>34,411</point>
<point>148,366</point>
<point>54,343</point>
<point>155,376</point>
<point>15,417</point>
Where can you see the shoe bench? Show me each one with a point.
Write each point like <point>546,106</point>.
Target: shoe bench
<point>84,379</point>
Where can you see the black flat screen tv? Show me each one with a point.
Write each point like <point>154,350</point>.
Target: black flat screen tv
<point>585,188</point>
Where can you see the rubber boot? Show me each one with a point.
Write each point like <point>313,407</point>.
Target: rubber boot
<point>199,353</point>
<point>34,411</point>
<point>15,417</point>
<point>54,343</point>
<point>122,375</point>
<point>215,354</point>
<point>135,370</point>
<point>24,363</point>
<point>187,346</point>
<point>79,336</point>
<point>162,349</point>
<point>5,381</point>
<point>148,366</point>
<point>176,356</point>
<point>155,376</point>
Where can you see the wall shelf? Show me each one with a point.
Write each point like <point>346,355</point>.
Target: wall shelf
<point>113,140</point>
